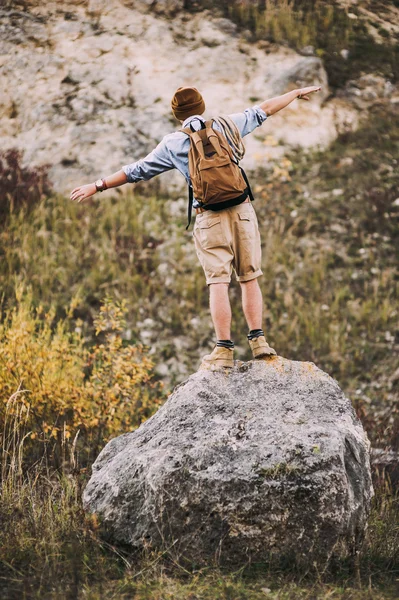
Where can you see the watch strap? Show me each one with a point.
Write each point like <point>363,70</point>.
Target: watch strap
<point>100,185</point>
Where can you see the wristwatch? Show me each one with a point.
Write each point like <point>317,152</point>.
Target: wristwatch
<point>100,185</point>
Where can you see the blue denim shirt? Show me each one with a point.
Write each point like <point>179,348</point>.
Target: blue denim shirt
<point>172,151</point>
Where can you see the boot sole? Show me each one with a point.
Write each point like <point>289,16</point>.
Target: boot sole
<point>227,364</point>
<point>262,354</point>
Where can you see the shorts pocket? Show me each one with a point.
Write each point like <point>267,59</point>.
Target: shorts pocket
<point>210,232</point>
<point>246,225</point>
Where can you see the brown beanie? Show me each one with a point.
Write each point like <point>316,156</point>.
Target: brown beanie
<point>187,101</point>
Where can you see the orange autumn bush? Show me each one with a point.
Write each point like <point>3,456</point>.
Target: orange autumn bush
<point>67,391</point>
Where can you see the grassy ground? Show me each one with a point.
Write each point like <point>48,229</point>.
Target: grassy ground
<point>330,244</point>
<point>49,548</point>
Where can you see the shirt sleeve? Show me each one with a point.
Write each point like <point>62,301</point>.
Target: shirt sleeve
<point>248,120</point>
<point>153,164</point>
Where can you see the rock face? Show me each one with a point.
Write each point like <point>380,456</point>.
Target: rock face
<point>267,460</point>
<point>87,86</point>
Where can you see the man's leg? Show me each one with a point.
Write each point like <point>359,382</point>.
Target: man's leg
<point>247,263</point>
<point>252,307</point>
<point>219,303</point>
<point>212,243</point>
<point>252,303</point>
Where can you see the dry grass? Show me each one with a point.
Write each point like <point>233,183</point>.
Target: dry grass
<point>49,548</point>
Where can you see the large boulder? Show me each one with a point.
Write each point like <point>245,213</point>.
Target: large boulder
<point>268,460</point>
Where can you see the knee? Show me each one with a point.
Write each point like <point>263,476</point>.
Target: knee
<point>218,292</point>
<point>253,283</point>
<point>216,287</point>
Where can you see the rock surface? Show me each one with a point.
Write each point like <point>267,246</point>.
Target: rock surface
<point>267,460</point>
<point>88,85</point>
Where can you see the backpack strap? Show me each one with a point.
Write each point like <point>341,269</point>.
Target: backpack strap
<point>190,205</point>
<point>213,139</point>
<point>186,130</point>
<point>250,194</point>
<point>190,131</point>
<point>203,125</point>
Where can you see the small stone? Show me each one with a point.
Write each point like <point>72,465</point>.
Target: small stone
<point>96,8</point>
<point>369,95</point>
<point>337,192</point>
<point>347,161</point>
<point>127,334</point>
<point>164,7</point>
<point>389,88</point>
<point>307,51</point>
<point>91,53</point>
<point>162,369</point>
<point>226,26</point>
<point>105,44</point>
<point>210,35</point>
<point>146,336</point>
<point>37,32</point>
<point>148,322</point>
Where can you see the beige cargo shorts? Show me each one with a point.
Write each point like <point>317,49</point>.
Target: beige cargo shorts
<point>228,239</point>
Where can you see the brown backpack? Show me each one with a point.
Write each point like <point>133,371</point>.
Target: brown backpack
<point>217,180</point>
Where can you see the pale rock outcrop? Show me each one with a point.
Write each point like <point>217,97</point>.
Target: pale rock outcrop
<point>88,85</point>
<point>268,460</point>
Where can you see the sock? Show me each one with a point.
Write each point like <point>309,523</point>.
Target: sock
<point>225,344</point>
<point>255,333</point>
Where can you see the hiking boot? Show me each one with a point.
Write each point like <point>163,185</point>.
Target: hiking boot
<point>260,347</point>
<point>219,357</point>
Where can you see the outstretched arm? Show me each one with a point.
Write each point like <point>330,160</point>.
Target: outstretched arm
<point>251,118</point>
<point>153,164</point>
<point>85,191</point>
<point>275,104</point>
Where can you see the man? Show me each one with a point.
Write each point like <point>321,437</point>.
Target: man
<point>225,239</point>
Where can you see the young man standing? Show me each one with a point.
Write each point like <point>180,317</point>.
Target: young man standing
<point>225,239</point>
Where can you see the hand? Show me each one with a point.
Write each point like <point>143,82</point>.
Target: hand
<point>83,192</point>
<point>303,92</point>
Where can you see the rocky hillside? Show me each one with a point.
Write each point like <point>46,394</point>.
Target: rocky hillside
<point>87,85</point>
